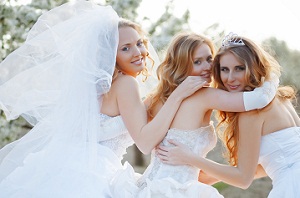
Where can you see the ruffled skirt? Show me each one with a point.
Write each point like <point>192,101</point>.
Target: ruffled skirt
<point>124,185</point>
<point>64,177</point>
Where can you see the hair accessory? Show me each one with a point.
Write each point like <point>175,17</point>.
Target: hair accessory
<point>232,39</point>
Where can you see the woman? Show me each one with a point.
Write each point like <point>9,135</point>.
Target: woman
<point>60,80</point>
<point>188,54</point>
<point>269,137</point>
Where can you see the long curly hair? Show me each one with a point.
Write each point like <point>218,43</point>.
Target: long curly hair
<point>259,66</point>
<point>176,66</point>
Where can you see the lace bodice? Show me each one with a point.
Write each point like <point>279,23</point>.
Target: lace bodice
<point>200,141</point>
<point>114,134</point>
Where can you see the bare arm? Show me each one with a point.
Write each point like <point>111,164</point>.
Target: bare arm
<point>260,172</point>
<point>236,101</point>
<point>133,111</point>
<point>244,101</point>
<point>241,175</point>
<point>207,179</point>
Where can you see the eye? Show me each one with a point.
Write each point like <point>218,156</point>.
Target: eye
<point>209,59</point>
<point>140,43</point>
<point>125,49</point>
<point>197,62</point>
<point>240,68</point>
<point>224,69</point>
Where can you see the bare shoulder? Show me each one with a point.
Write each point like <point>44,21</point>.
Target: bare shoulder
<point>251,116</point>
<point>125,83</point>
<point>209,94</point>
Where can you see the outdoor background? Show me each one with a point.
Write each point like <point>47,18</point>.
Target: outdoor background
<point>273,23</point>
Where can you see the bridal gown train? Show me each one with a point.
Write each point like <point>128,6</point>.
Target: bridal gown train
<point>280,157</point>
<point>162,180</point>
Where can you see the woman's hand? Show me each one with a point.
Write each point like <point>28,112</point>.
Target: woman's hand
<point>189,86</point>
<point>179,154</point>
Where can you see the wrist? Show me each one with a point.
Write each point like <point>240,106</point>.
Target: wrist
<point>175,98</point>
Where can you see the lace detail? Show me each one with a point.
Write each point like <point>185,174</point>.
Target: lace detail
<point>200,141</point>
<point>118,144</point>
<point>114,134</point>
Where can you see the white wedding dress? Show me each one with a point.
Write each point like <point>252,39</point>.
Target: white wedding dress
<point>280,157</point>
<point>162,180</point>
<point>56,81</point>
<point>40,178</point>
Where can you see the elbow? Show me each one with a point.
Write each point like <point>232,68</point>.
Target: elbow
<point>244,183</point>
<point>145,150</point>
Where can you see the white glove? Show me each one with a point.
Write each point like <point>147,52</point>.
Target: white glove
<point>261,96</point>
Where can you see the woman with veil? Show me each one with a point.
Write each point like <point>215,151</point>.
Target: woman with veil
<point>59,80</point>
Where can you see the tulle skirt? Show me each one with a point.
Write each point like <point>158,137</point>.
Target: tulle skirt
<point>64,178</point>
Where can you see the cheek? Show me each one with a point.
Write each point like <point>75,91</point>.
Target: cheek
<point>242,77</point>
<point>121,60</point>
<point>196,71</point>
<point>223,77</point>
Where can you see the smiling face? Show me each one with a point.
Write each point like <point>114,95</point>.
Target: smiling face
<point>202,60</point>
<point>131,52</point>
<point>232,73</point>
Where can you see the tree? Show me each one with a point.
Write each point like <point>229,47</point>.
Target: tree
<point>288,59</point>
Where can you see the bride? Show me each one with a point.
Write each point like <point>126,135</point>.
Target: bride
<point>79,59</point>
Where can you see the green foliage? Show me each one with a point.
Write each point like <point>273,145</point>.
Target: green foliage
<point>16,21</point>
<point>288,59</point>
<point>126,9</point>
<point>220,186</point>
<point>167,26</point>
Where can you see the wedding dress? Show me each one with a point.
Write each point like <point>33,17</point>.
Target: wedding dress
<point>56,81</point>
<point>162,180</point>
<point>280,157</point>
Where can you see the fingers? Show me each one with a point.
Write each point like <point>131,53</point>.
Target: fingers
<point>175,143</point>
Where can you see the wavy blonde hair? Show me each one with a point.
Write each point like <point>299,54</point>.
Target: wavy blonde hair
<point>176,66</point>
<point>127,23</point>
<point>259,66</point>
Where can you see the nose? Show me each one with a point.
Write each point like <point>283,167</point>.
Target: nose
<point>231,77</point>
<point>137,51</point>
<point>208,65</point>
<point>143,51</point>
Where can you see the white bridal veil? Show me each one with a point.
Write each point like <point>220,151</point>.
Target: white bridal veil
<point>53,80</point>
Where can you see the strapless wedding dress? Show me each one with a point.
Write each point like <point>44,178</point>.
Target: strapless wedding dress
<point>162,180</point>
<point>280,157</point>
<point>45,174</point>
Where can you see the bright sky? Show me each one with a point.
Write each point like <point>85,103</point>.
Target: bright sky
<point>256,19</point>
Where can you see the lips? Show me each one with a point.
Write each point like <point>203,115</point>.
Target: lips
<point>138,62</point>
<point>233,87</point>
<point>205,75</point>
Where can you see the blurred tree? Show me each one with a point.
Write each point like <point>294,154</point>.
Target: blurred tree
<point>288,59</point>
<point>16,20</point>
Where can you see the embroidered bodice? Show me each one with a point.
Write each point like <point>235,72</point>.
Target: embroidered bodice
<point>200,141</point>
<point>114,134</point>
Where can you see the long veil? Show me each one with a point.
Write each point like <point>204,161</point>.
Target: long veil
<point>56,80</point>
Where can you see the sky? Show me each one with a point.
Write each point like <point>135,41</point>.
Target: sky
<point>256,19</point>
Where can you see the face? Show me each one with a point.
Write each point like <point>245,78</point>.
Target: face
<point>232,73</point>
<point>131,54</point>
<point>202,60</point>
